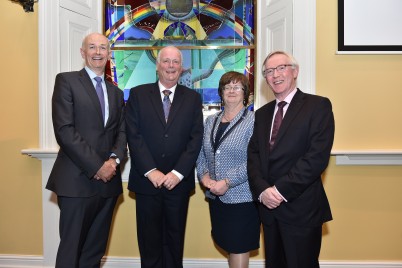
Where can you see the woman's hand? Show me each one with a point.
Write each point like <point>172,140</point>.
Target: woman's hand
<point>220,187</point>
<point>207,182</point>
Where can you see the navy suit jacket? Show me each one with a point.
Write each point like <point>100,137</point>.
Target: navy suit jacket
<point>85,143</point>
<point>297,160</point>
<point>155,143</point>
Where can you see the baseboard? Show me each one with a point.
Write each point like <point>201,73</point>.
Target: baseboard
<point>20,261</point>
<point>221,263</point>
<point>187,263</point>
<point>26,261</point>
<point>359,264</point>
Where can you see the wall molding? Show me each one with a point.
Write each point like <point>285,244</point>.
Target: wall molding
<point>28,261</point>
<point>51,154</point>
<point>343,157</point>
<point>19,261</point>
<point>368,157</point>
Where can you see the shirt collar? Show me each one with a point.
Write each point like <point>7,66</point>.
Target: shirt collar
<point>162,88</point>
<point>92,74</point>
<point>289,97</point>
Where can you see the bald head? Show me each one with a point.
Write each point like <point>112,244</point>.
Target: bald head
<point>93,36</point>
<point>95,50</point>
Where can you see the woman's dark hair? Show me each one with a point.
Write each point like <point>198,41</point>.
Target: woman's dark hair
<point>234,77</point>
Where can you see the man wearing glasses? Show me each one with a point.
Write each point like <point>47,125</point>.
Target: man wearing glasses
<point>287,153</point>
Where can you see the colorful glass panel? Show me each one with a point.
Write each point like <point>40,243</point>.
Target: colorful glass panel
<point>214,36</point>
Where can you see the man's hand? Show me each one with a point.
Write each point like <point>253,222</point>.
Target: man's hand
<point>271,198</point>
<point>156,177</point>
<point>107,171</point>
<point>170,181</point>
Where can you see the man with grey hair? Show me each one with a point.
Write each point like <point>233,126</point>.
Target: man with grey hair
<point>164,132</point>
<point>88,121</point>
<point>288,151</point>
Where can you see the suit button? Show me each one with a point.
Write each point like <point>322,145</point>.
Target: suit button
<point>163,155</point>
<point>166,135</point>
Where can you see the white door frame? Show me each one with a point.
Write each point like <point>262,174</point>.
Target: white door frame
<point>303,47</point>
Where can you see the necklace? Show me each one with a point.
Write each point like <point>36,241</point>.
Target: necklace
<point>227,118</point>
<point>234,111</point>
<point>224,116</point>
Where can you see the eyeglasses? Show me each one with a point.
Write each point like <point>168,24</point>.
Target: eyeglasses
<point>235,88</point>
<point>280,69</point>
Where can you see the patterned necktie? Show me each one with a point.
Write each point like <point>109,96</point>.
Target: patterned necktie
<point>277,123</point>
<point>99,92</point>
<point>166,103</point>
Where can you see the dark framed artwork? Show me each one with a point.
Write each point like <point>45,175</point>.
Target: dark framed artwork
<point>369,25</point>
<point>214,37</point>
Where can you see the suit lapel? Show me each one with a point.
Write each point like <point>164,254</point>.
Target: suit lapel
<point>291,113</point>
<point>267,124</point>
<point>176,104</point>
<point>89,88</point>
<point>156,101</point>
<point>111,96</point>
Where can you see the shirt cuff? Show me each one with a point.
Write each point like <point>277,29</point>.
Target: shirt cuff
<point>284,199</point>
<point>147,173</point>
<point>177,174</point>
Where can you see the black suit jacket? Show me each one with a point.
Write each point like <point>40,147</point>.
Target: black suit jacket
<point>85,143</point>
<point>155,143</point>
<point>297,160</point>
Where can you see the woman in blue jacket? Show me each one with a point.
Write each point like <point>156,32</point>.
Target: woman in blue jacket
<point>222,170</point>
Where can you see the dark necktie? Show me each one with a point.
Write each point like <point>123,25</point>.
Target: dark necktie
<point>166,103</point>
<point>99,92</point>
<point>277,123</point>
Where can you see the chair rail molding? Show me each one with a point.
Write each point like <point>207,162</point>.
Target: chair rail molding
<point>368,157</point>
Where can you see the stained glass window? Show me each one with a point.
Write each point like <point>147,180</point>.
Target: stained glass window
<point>214,37</point>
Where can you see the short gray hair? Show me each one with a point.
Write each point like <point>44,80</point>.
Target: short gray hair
<point>280,52</point>
<point>158,58</point>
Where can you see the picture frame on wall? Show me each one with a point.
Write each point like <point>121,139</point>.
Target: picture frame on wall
<point>370,26</point>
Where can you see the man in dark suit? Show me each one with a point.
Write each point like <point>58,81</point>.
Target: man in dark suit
<point>285,166</point>
<point>86,175</point>
<point>164,132</point>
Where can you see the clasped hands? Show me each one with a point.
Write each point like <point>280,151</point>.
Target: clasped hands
<point>216,187</point>
<point>158,179</point>
<point>271,198</point>
<point>107,170</point>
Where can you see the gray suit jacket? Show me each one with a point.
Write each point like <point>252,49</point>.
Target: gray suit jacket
<point>85,143</point>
